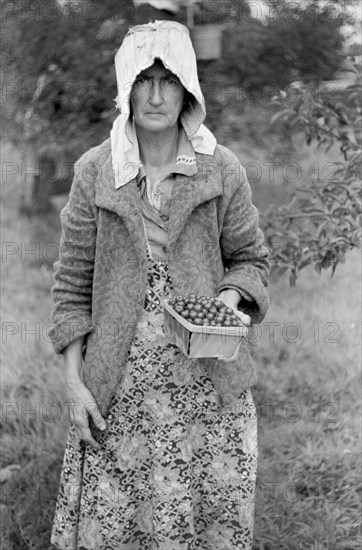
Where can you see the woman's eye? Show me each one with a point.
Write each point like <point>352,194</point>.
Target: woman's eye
<point>141,80</point>
<point>169,81</point>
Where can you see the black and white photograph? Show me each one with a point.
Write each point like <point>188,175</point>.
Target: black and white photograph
<point>181,208</point>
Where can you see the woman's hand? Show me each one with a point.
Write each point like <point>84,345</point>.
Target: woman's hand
<point>81,402</point>
<point>231,298</point>
<point>82,405</point>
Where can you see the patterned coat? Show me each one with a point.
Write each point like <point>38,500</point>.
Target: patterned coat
<point>101,275</point>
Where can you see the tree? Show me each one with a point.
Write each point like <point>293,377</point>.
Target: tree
<point>296,41</point>
<point>323,220</point>
<point>60,85</point>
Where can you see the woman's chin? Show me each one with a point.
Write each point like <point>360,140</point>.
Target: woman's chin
<point>155,123</point>
<point>156,128</point>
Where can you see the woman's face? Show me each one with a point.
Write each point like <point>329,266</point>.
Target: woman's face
<point>156,98</point>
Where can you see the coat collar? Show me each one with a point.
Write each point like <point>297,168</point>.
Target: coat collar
<point>188,193</point>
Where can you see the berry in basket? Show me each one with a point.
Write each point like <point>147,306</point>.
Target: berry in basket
<point>203,310</point>
<point>202,326</point>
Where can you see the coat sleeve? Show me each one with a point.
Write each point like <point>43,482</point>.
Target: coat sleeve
<point>244,254</point>
<point>73,276</point>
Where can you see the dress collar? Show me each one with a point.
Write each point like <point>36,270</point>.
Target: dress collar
<point>185,162</point>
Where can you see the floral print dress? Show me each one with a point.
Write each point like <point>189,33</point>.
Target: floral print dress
<point>176,470</point>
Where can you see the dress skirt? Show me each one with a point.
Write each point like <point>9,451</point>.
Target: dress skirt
<point>176,471</point>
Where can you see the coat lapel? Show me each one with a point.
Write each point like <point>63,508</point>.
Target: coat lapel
<point>190,192</point>
<point>124,201</point>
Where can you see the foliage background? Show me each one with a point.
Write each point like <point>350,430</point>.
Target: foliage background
<point>58,91</point>
<point>58,63</point>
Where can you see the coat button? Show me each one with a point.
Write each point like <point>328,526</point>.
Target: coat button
<point>164,248</point>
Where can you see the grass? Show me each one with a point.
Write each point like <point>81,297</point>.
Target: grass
<point>308,396</point>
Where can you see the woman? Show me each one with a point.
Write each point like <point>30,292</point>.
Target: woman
<point>161,451</point>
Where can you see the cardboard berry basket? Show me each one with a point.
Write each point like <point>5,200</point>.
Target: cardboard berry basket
<point>200,341</point>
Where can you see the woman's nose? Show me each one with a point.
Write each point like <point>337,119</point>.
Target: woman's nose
<point>156,94</point>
